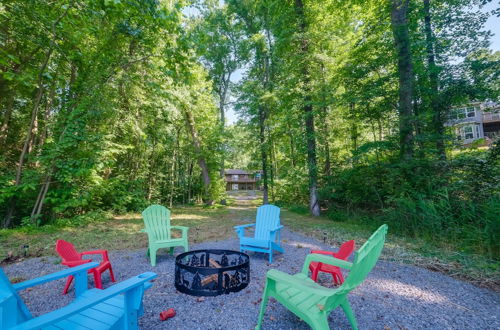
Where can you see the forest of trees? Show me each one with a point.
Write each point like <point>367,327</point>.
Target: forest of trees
<point>116,104</point>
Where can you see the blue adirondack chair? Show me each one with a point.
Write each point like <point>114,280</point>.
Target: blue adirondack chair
<point>267,232</point>
<point>116,307</point>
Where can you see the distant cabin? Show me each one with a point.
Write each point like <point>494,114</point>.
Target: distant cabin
<point>241,180</point>
<point>476,121</point>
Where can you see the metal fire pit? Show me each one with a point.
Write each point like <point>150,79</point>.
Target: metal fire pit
<point>211,272</point>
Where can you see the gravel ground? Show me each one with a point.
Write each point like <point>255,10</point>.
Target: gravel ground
<point>393,296</point>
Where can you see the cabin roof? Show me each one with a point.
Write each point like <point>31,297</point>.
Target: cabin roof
<point>235,171</point>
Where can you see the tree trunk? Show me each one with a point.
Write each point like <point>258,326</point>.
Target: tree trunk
<point>172,179</point>
<point>325,127</point>
<point>263,153</point>
<point>308,115</point>
<point>222,109</point>
<point>24,151</point>
<point>188,116</point>
<point>437,113</point>
<point>4,129</point>
<point>292,145</point>
<point>399,24</point>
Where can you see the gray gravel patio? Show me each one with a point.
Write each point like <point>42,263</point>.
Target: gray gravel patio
<point>394,296</point>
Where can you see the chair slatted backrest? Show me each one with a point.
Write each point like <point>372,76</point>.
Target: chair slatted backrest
<point>366,258</point>
<point>12,309</point>
<point>157,221</point>
<point>345,250</point>
<point>67,251</point>
<point>268,218</point>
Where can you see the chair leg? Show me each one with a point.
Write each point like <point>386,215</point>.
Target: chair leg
<point>314,274</point>
<point>263,305</point>
<point>335,279</point>
<point>111,274</point>
<point>97,279</point>
<point>271,256</point>
<point>152,255</point>
<point>186,246</point>
<point>349,313</point>
<point>172,251</point>
<point>340,278</point>
<point>68,283</point>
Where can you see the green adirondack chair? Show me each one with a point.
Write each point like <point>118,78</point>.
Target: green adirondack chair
<point>313,302</point>
<point>157,222</point>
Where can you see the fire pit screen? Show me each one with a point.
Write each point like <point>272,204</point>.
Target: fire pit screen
<point>211,272</point>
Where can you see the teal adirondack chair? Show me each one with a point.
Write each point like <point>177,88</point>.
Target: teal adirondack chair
<point>313,302</point>
<point>116,307</point>
<point>267,232</point>
<point>157,222</point>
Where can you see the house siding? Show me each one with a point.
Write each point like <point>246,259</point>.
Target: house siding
<point>486,119</point>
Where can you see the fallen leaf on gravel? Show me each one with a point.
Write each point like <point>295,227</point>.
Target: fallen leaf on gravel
<point>257,302</point>
<point>200,299</point>
<point>386,327</point>
<point>272,318</point>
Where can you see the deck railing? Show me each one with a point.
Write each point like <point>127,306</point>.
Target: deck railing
<point>491,116</point>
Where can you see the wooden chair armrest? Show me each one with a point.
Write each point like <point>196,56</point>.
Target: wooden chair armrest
<point>76,263</point>
<point>240,230</point>
<point>325,260</point>
<point>55,276</point>
<point>84,303</point>
<point>277,228</point>
<point>304,285</point>
<point>183,228</point>
<point>244,226</point>
<point>328,253</point>
<point>103,253</point>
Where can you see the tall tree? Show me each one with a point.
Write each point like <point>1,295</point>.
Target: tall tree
<point>218,37</point>
<point>308,109</point>
<point>400,30</point>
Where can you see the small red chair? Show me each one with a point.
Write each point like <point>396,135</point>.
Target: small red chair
<point>344,252</point>
<point>71,258</point>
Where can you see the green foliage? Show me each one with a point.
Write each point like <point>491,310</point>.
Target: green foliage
<point>90,109</point>
<point>424,199</point>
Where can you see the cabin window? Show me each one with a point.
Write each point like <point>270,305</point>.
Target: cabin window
<point>458,113</point>
<point>468,132</point>
<point>462,113</point>
<point>471,112</point>
<point>235,177</point>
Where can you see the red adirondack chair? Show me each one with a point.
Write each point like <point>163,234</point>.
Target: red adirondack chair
<point>344,252</point>
<point>71,258</point>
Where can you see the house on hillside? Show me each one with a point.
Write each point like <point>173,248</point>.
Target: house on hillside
<point>241,180</point>
<point>476,121</point>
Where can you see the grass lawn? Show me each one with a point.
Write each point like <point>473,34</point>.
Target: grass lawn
<point>209,224</point>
